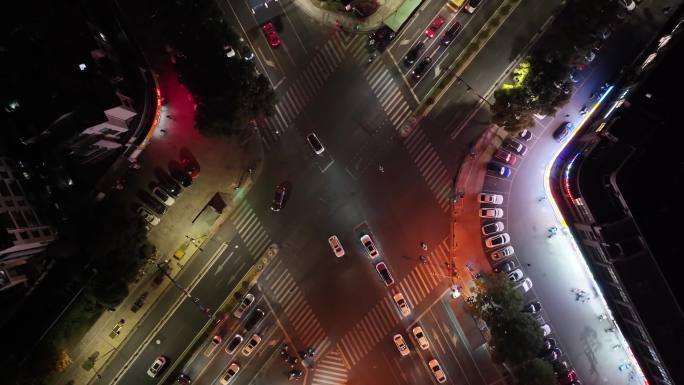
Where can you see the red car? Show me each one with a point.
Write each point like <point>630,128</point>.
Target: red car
<point>568,377</point>
<point>271,35</point>
<point>191,167</point>
<point>435,26</point>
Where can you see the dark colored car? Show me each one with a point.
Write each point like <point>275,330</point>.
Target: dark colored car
<point>246,53</point>
<point>233,344</point>
<point>532,307</point>
<point>384,273</point>
<point>549,343</point>
<point>499,169</point>
<point>181,176</point>
<point>515,146</point>
<point>381,38</point>
<point>167,182</point>
<point>412,55</point>
<point>552,355</point>
<point>562,131</point>
<point>421,67</point>
<point>184,379</point>
<point>279,198</point>
<point>254,318</point>
<point>151,202</point>
<point>449,35</point>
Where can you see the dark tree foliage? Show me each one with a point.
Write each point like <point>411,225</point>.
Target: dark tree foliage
<point>536,372</point>
<point>228,91</point>
<point>566,45</point>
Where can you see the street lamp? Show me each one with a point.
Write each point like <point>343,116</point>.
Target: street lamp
<point>469,88</point>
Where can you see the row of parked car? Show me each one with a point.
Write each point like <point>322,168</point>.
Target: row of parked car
<point>165,190</point>
<point>499,241</point>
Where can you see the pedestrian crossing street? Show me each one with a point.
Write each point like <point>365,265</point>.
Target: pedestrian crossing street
<point>431,167</point>
<point>248,226</point>
<point>330,370</point>
<point>381,321</point>
<point>283,290</point>
<point>301,91</point>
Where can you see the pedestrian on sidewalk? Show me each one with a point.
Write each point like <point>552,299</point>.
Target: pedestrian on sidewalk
<point>666,9</point>
<point>423,259</point>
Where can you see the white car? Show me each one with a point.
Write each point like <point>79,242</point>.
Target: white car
<point>157,366</point>
<point>545,329</point>
<point>515,275</point>
<point>370,246</point>
<point>490,212</point>
<point>437,371</point>
<point>494,199</point>
<point>491,228</point>
<point>148,216</point>
<point>498,240</point>
<point>163,196</point>
<point>401,344</point>
<point>420,337</point>
<point>336,246</point>
<point>251,344</point>
<point>525,285</point>
<point>502,253</point>
<point>315,143</point>
<point>230,373</point>
<point>244,305</point>
<point>471,6</point>
<point>402,304</point>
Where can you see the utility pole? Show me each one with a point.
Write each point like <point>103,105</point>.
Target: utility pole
<point>196,300</point>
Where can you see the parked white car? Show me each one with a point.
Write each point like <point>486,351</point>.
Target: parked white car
<point>147,215</point>
<point>494,199</point>
<point>491,212</point>
<point>498,240</point>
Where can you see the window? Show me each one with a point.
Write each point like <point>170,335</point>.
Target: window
<point>10,203</point>
<point>46,232</point>
<point>4,175</point>
<point>4,191</point>
<point>21,202</point>
<point>35,233</point>
<point>24,235</point>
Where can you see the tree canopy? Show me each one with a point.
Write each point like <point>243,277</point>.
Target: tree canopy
<point>228,92</point>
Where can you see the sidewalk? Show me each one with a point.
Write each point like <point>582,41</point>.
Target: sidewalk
<point>347,19</point>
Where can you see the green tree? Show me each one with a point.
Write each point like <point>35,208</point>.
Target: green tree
<point>228,91</point>
<point>515,336</point>
<point>512,109</point>
<point>536,372</point>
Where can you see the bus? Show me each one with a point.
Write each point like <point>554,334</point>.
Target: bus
<point>396,20</point>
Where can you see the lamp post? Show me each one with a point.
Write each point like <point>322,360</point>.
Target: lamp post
<point>185,291</point>
<point>470,88</point>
